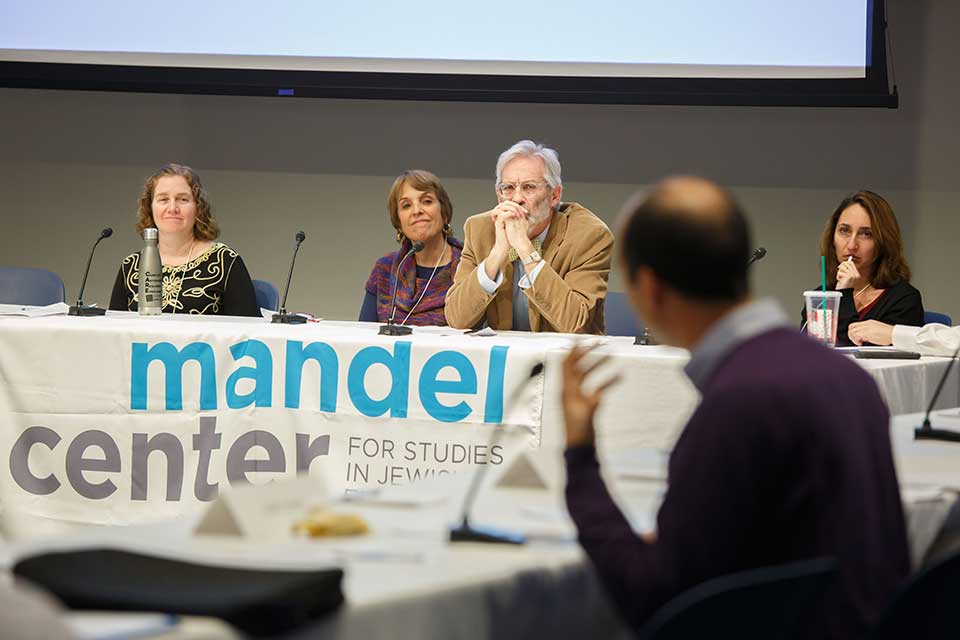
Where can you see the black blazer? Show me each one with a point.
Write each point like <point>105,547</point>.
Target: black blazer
<point>899,304</point>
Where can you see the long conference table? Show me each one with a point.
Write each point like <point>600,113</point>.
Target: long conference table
<point>122,420</point>
<point>404,580</point>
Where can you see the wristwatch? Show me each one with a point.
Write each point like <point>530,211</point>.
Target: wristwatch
<point>533,257</point>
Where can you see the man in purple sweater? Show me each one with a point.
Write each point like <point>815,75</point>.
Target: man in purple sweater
<point>787,456</point>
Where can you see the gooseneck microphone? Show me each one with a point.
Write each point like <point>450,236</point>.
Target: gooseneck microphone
<point>465,532</point>
<point>925,431</point>
<point>79,309</point>
<point>756,255</point>
<point>282,317</point>
<point>391,328</point>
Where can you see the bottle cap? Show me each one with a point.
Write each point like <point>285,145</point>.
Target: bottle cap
<point>150,233</point>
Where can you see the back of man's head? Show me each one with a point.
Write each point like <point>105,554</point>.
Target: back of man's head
<point>692,234</point>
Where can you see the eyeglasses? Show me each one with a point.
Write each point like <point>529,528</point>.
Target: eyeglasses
<point>529,188</point>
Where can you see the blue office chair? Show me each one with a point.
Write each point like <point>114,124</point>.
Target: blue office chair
<point>771,602</point>
<point>267,295</point>
<point>25,285</point>
<point>926,607</point>
<point>929,317</point>
<point>619,317</point>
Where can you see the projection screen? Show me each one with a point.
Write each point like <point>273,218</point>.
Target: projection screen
<point>818,52</point>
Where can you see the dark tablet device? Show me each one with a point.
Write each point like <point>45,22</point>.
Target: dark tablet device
<point>887,354</point>
<point>258,602</point>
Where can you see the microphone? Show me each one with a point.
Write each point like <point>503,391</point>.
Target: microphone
<point>756,255</point>
<point>465,532</point>
<point>79,309</point>
<point>391,328</point>
<point>282,317</point>
<point>925,431</point>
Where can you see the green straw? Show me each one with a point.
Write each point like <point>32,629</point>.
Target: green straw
<point>823,286</point>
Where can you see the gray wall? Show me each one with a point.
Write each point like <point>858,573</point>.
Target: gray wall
<point>73,162</point>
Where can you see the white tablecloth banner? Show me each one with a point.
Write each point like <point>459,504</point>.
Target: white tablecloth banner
<point>123,419</point>
<point>118,420</point>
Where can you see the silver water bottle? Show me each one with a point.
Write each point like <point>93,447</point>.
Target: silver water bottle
<point>151,275</point>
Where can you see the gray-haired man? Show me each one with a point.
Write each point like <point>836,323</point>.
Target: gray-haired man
<point>532,263</point>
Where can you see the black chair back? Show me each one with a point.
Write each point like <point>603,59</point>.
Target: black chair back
<point>770,603</point>
<point>927,606</point>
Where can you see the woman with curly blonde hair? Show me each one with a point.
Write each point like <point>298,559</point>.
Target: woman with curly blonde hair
<point>200,275</point>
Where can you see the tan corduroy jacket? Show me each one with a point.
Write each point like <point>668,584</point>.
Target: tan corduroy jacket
<point>567,295</point>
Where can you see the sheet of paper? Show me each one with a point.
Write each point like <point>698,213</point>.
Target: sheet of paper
<point>89,625</point>
<point>28,311</point>
<point>482,333</point>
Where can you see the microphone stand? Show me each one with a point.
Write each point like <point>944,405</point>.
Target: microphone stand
<point>465,532</point>
<point>925,431</point>
<point>282,317</point>
<point>391,328</point>
<point>80,309</point>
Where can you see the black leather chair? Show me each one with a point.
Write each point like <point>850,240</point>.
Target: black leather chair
<point>926,608</point>
<point>770,603</point>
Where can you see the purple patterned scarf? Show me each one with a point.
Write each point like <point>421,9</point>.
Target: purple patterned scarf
<point>429,310</point>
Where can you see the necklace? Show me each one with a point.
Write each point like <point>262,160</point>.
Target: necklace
<point>443,252</point>
<point>426,286</point>
<point>862,290</point>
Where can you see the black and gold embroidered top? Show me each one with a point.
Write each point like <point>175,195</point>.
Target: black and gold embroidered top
<point>215,282</point>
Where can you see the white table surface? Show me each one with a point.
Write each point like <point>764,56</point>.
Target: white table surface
<point>421,587</point>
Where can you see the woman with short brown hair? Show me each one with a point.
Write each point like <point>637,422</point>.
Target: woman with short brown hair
<point>421,212</point>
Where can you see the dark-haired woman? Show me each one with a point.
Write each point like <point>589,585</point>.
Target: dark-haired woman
<point>865,263</point>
